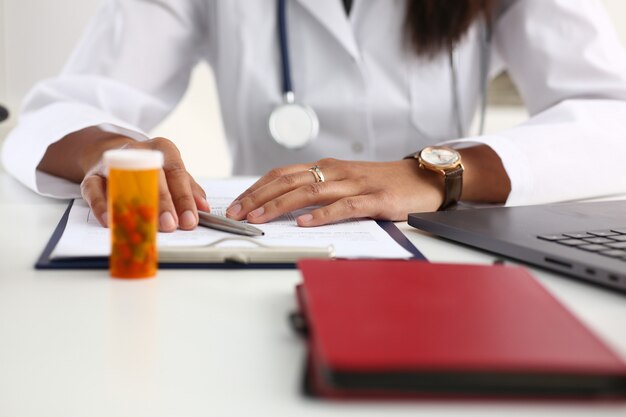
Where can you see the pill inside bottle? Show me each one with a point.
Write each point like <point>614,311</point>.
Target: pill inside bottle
<point>133,206</point>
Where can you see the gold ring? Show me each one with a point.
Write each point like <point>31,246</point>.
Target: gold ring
<point>317,173</point>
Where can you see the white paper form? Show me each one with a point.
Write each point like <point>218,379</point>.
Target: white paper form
<point>360,238</point>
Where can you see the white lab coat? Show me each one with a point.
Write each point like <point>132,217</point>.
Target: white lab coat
<point>375,99</point>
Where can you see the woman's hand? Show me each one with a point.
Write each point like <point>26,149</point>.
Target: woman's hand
<point>78,158</point>
<point>379,190</point>
<point>180,196</point>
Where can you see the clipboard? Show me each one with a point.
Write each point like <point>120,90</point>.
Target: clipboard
<point>256,253</point>
<point>217,258</point>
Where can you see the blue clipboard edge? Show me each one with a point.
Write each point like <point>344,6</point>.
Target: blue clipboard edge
<point>45,262</point>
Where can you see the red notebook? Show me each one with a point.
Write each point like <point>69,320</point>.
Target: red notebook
<point>404,328</point>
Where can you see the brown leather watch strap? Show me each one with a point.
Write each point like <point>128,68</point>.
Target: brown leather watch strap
<point>453,187</point>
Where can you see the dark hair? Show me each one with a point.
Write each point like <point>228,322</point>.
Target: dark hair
<point>432,26</point>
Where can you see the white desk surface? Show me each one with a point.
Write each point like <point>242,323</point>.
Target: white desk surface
<point>197,342</point>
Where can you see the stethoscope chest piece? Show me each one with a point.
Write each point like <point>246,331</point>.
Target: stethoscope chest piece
<point>293,125</point>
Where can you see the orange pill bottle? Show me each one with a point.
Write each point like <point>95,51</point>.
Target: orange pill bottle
<point>133,207</point>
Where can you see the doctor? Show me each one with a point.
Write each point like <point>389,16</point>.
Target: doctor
<point>309,87</point>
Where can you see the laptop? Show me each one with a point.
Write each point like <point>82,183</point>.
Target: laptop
<point>585,240</point>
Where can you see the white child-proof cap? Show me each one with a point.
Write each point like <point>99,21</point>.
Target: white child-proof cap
<point>133,159</point>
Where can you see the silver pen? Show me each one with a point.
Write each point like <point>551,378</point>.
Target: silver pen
<point>225,224</point>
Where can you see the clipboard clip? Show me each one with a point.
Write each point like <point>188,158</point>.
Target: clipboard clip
<point>257,253</point>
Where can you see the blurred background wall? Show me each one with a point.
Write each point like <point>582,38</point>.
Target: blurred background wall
<point>37,36</point>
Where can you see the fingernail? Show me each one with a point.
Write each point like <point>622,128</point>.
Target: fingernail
<point>105,218</point>
<point>166,221</point>
<point>234,210</point>
<point>305,218</point>
<point>257,213</point>
<point>187,220</point>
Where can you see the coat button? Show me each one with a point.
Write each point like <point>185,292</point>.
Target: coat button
<point>357,147</point>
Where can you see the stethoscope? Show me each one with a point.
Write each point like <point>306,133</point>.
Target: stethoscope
<point>294,125</point>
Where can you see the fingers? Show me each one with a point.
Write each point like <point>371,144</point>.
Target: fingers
<point>273,175</point>
<point>199,196</point>
<point>178,191</point>
<point>93,190</point>
<point>182,198</point>
<point>179,195</point>
<point>290,188</point>
<point>280,181</point>
<point>345,208</point>
<point>313,194</point>
<point>293,192</point>
<point>168,219</point>
<point>255,197</point>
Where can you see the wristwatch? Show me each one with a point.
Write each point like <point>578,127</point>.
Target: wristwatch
<point>447,162</point>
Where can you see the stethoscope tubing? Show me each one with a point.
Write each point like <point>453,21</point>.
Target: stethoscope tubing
<point>284,47</point>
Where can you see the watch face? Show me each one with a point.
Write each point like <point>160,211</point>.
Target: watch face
<point>440,156</point>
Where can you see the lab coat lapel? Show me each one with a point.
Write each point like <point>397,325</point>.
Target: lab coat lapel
<point>332,16</point>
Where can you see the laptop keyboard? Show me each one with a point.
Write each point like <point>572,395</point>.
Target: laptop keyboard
<point>610,243</point>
